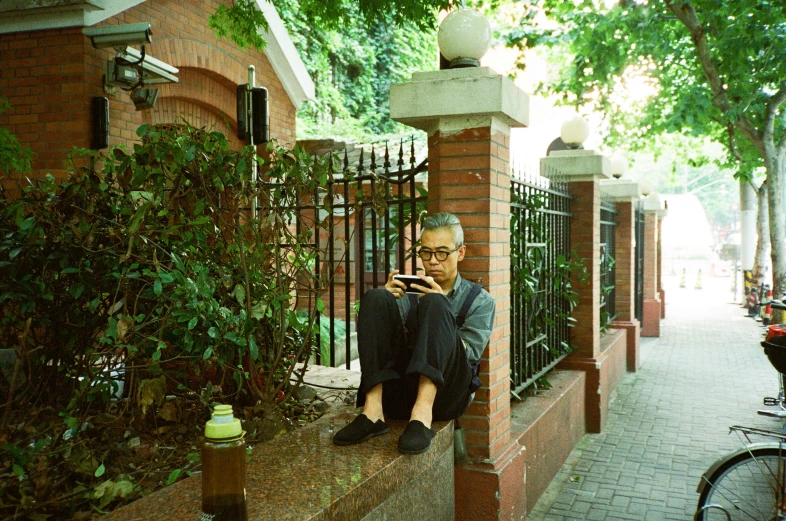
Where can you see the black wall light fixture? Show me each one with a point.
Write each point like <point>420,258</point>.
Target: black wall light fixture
<point>259,118</point>
<point>100,121</point>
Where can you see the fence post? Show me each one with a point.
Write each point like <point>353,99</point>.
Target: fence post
<point>654,210</point>
<point>626,194</point>
<point>468,114</point>
<point>584,169</point>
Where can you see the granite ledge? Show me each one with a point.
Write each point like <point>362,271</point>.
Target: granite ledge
<point>302,476</point>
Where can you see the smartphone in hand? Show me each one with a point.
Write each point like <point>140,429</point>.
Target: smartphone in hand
<point>408,280</point>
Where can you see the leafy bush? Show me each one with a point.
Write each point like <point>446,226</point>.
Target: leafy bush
<point>152,263</point>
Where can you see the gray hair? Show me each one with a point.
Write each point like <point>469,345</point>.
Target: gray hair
<point>444,220</point>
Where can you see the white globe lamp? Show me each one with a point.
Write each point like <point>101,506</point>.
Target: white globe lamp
<point>618,166</point>
<point>464,37</point>
<point>646,188</point>
<point>574,132</point>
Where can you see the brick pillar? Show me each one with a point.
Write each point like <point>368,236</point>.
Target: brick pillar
<point>661,292</point>
<point>652,309</point>
<point>468,114</point>
<point>625,195</point>
<point>584,170</point>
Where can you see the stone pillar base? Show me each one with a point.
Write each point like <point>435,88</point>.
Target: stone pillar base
<point>632,331</point>
<point>492,491</point>
<point>651,318</point>
<point>603,375</point>
<point>662,304</point>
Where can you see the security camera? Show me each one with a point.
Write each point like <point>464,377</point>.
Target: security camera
<point>152,70</point>
<point>144,98</point>
<point>119,36</point>
<point>123,76</point>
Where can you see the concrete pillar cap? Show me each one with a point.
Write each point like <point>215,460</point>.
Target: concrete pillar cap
<point>621,189</point>
<point>457,99</point>
<point>576,165</point>
<point>653,203</point>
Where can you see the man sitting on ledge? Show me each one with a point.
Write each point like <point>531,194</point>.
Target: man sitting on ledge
<point>419,354</point>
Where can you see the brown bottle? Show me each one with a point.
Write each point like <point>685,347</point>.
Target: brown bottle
<point>224,468</point>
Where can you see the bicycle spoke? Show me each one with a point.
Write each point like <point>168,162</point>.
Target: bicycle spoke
<point>749,490</point>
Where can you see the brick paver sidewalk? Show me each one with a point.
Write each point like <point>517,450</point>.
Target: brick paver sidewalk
<point>669,421</point>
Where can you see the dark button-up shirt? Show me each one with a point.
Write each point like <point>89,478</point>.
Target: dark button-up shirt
<point>477,327</point>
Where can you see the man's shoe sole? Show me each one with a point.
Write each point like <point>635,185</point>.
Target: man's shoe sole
<point>414,452</point>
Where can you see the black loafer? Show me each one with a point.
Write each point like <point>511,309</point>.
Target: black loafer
<point>359,430</point>
<point>415,439</point>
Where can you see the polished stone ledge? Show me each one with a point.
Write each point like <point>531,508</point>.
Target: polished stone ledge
<point>303,476</point>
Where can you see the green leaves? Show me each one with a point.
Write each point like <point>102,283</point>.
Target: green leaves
<point>173,476</point>
<point>242,22</point>
<point>136,257</point>
<point>363,47</point>
<point>253,349</point>
<point>720,68</point>
<point>110,490</point>
<point>14,157</point>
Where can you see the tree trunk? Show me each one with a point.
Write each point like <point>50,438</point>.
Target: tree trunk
<point>760,263</point>
<point>775,164</point>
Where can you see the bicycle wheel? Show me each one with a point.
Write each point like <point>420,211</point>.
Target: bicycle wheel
<point>748,485</point>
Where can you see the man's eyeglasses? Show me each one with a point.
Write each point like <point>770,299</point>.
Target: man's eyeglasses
<point>442,256</point>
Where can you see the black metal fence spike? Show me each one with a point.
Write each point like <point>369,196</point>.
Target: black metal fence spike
<point>373,165</point>
<point>412,152</point>
<point>386,164</point>
<point>401,155</point>
<point>360,162</point>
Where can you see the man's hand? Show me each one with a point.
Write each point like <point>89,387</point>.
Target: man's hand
<point>396,287</point>
<point>428,286</point>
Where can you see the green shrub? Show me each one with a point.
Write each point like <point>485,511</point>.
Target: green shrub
<point>151,263</point>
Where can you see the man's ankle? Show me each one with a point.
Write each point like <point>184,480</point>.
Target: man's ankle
<point>374,415</point>
<point>422,416</point>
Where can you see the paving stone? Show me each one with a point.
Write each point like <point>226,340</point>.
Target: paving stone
<point>668,422</point>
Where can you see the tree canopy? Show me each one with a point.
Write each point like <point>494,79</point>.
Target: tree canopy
<point>715,69</point>
<point>353,50</point>
<point>352,66</point>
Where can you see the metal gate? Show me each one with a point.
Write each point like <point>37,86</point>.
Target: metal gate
<point>368,224</point>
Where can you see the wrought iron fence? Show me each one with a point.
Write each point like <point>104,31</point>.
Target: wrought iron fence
<point>539,249</point>
<point>639,287</point>
<point>608,226</point>
<point>365,222</point>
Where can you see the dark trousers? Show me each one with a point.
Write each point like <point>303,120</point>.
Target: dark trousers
<point>386,359</point>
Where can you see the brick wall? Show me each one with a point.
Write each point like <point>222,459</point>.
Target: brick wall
<point>49,77</point>
<point>625,261</point>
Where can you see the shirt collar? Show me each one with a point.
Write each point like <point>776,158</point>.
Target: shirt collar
<point>456,286</point>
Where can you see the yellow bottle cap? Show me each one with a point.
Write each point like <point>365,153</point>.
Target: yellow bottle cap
<point>223,425</point>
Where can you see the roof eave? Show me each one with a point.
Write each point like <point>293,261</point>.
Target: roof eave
<point>284,57</point>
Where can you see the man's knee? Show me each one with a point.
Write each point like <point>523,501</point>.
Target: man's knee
<point>376,301</point>
<point>376,296</point>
